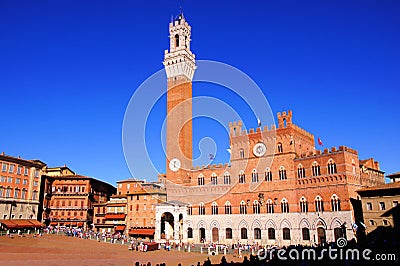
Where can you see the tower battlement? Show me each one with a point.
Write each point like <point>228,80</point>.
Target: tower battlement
<point>327,151</point>
<point>284,122</point>
<point>179,60</point>
<point>284,119</point>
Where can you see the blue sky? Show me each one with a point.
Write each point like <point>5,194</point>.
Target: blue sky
<point>69,68</point>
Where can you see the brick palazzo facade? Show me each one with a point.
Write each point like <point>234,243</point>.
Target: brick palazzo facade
<point>131,210</point>
<point>278,189</point>
<point>69,198</point>
<point>20,182</point>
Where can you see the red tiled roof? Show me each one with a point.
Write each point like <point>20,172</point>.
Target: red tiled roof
<point>143,232</point>
<point>392,185</point>
<point>394,174</point>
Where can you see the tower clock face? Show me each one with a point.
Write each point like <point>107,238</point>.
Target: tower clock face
<point>175,164</point>
<point>259,149</point>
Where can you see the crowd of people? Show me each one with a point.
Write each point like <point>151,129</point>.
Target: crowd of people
<point>249,253</point>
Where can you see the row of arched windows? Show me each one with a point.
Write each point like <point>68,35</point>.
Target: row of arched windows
<point>242,177</point>
<point>269,206</point>
<point>271,232</point>
<point>316,169</point>
<point>257,233</point>
<point>301,173</point>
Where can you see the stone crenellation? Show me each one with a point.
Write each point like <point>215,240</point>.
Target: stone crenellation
<point>327,151</point>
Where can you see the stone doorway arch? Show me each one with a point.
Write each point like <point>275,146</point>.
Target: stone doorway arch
<point>167,226</point>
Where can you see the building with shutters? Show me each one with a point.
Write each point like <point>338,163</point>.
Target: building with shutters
<point>20,182</point>
<point>69,198</point>
<point>131,210</point>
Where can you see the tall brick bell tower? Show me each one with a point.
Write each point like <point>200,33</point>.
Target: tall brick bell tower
<point>179,64</point>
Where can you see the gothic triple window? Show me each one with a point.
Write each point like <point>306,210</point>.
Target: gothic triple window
<point>301,172</point>
<point>331,167</point>
<point>335,203</point>
<point>316,170</point>
<point>319,204</point>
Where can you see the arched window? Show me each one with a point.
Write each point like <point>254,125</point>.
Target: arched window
<point>214,180</point>
<point>339,232</point>
<point>228,233</point>
<point>286,233</point>
<point>271,233</point>
<point>200,180</point>
<point>256,207</point>
<point>34,195</point>
<point>319,205</point>
<point>243,207</point>
<point>190,232</point>
<point>270,206</point>
<point>16,193</point>
<point>241,153</point>
<point>228,208</point>
<point>202,209</point>
<point>301,172</point>
<point>316,170</point>
<point>227,178</point>
<point>335,203</point>
<point>242,177</point>
<point>243,233</point>
<point>303,205</point>
<point>284,206</point>
<point>176,40</point>
<point>254,176</point>
<point>331,167</point>
<point>282,173</point>
<point>257,233</point>
<point>268,175</point>
<point>190,210</point>
<point>280,148</point>
<point>1,192</point>
<point>8,192</point>
<point>214,208</point>
<point>306,233</point>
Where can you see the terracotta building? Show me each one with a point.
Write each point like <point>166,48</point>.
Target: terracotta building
<point>381,211</point>
<point>131,210</point>
<point>71,198</point>
<point>278,188</point>
<point>20,182</point>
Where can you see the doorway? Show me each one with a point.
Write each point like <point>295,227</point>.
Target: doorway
<point>215,235</point>
<point>202,235</point>
<point>321,235</point>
